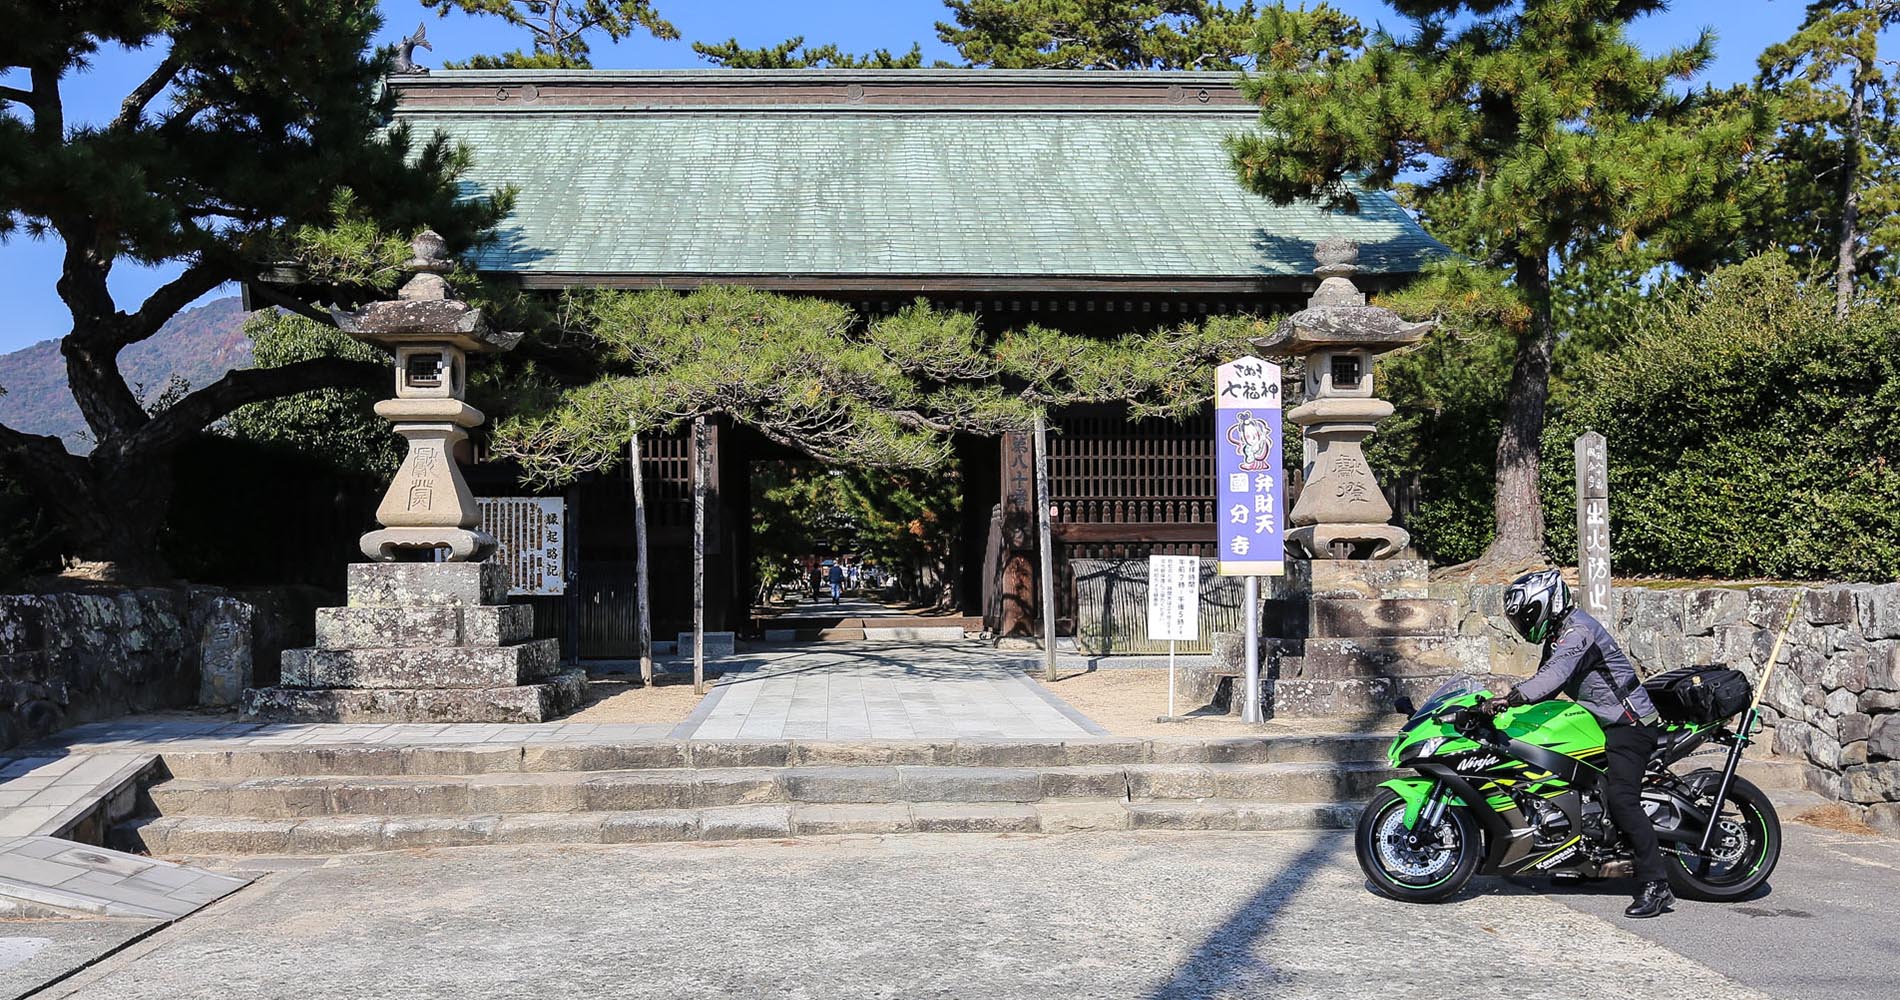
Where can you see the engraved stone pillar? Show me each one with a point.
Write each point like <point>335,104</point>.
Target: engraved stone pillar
<point>1341,513</point>
<point>428,506</point>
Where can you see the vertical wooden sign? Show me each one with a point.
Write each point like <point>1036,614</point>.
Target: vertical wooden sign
<point>1593,523</point>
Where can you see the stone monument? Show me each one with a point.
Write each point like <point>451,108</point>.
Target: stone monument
<point>1341,513</point>
<point>1350,627</point>
<point>427,635</point>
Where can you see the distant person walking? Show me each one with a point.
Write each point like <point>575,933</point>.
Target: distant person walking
<point>837,582</point>
<point>817,579</point>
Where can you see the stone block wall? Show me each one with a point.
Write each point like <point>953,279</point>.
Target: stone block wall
<point>68,658</point>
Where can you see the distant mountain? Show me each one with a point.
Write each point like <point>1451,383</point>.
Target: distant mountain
<point>199,344</point>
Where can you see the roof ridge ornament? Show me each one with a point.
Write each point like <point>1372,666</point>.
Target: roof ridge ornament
<point>405,64</point>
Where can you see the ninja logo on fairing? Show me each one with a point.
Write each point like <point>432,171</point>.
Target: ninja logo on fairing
<point>1478,763</point>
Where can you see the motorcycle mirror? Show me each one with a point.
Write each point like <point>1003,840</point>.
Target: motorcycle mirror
<point>1404,706</point>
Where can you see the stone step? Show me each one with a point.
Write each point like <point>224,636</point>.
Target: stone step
<point>189,836</point>
<point>527,703</point>
<point>511,793</point>
<point>358,759</point>
<point>413,667</point>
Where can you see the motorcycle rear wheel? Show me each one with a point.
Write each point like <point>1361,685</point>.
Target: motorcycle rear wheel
<point>1428,874</point>
<point>1743,852</point>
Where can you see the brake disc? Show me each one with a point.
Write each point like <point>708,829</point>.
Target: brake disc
<point>1427,859</point>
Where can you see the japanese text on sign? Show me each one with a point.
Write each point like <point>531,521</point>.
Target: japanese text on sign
<point>1174,597</point>
<point>1251,481</point>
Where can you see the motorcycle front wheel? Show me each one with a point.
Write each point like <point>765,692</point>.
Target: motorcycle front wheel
<point>1432,868</point>
<point>1743,851</point>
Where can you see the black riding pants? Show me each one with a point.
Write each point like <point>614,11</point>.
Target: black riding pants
<point>1628,748</point>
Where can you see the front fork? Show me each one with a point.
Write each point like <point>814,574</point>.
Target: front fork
<point>1744,735</point>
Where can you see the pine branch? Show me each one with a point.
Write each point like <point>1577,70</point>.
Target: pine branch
<point>204,407</point>
<point>201,277</point>
<point>133,107</point>
<point>17,95</point>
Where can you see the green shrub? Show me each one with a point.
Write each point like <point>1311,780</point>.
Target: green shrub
<point>1750,432</point>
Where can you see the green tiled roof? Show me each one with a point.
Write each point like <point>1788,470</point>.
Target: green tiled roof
<point>992,192</point>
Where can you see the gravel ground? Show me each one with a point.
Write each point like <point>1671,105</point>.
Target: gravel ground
<point>669,700</point>
<point>1127,700</point>
<point>1117,915</point>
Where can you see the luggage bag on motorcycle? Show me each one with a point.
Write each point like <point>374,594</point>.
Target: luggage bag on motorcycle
<point>1699,695</point>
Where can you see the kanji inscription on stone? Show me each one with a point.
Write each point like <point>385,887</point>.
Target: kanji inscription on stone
<point>1593,523</point>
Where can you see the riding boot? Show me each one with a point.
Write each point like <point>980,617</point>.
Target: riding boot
<point>1652,900</point>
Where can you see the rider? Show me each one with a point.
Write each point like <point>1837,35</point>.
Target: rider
<point>1581,659</point>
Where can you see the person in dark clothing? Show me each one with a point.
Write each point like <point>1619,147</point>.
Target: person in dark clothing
<point>837,581</point>
<point>1582,660</point>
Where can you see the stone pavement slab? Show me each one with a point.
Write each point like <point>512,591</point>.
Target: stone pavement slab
<point>1108,915</point>
<point>45,876</point>
<point>882,690</point>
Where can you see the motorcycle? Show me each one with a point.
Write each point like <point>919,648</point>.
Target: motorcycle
<point>1519,794</point>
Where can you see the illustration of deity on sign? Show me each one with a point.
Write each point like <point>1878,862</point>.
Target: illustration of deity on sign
<point>1252,437</point>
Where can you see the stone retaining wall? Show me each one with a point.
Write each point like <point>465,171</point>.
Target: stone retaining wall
<point>68,658</point>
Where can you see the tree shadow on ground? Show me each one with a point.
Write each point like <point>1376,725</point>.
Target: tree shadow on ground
<point>1223,963</point>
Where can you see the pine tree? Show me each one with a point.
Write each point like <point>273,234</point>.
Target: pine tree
<point>1099,34</point>
<point>229,160</point>
<point>1539,133</point>
<point>559,28</point>
<point>1836,164</point>
<point>793,53</point>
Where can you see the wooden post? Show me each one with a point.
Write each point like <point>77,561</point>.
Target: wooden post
<point>642,591</point>
<point>1048,550</point>
<point>699,555</point>
<point>1593,524</point>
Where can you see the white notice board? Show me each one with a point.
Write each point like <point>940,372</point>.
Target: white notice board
<point>1174,597</point>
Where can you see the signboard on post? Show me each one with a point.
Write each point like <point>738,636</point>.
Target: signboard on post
<point>1593,524</point>
<point>1247,494</point>
<point>529,532</point>
<point>1174,597</point>
<point>1251,481</point>
<point>1174,605</point>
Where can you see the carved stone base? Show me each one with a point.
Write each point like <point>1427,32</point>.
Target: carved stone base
<point>464,544</point>
<point>1348,541</point>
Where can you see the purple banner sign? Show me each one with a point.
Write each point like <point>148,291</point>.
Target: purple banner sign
<point>1251,480</point>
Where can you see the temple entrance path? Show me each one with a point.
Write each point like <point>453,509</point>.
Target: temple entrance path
<point>882,690</point>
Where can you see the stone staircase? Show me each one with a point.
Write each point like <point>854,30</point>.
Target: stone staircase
<point>344,799</point>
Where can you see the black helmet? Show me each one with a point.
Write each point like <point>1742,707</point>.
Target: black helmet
<point>1536,602</point>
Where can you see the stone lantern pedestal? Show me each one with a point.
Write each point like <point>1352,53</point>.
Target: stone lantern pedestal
<point>428,634</point>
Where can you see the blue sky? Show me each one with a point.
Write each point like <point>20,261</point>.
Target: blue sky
<point>30,311</point>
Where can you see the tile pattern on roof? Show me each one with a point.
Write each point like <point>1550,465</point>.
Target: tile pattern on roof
<point>980,193</point>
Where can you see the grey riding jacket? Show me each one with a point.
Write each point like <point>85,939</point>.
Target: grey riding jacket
<point>1585,663</point>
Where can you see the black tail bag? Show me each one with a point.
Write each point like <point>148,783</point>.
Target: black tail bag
<point>1700,695</point>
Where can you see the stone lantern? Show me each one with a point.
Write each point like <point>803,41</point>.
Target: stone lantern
<point>427,633</point>
<point>1341,513</point>
<point>428,506</point>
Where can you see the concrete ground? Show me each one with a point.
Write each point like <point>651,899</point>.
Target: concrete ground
<point>1824,929</point>
<point>1087,915</point>
<point>35,952</point>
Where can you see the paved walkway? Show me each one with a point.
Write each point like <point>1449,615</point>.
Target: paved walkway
<point>883,691</point>
<point>1135,916</point>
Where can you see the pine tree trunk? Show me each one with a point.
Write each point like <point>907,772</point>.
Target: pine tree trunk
<point>699,555</point>
<point>1517,503</point>
<point>1848,251</point>
<point>643,593</point>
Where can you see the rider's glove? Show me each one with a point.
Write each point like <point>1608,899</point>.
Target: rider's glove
<point>1496,706</point>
